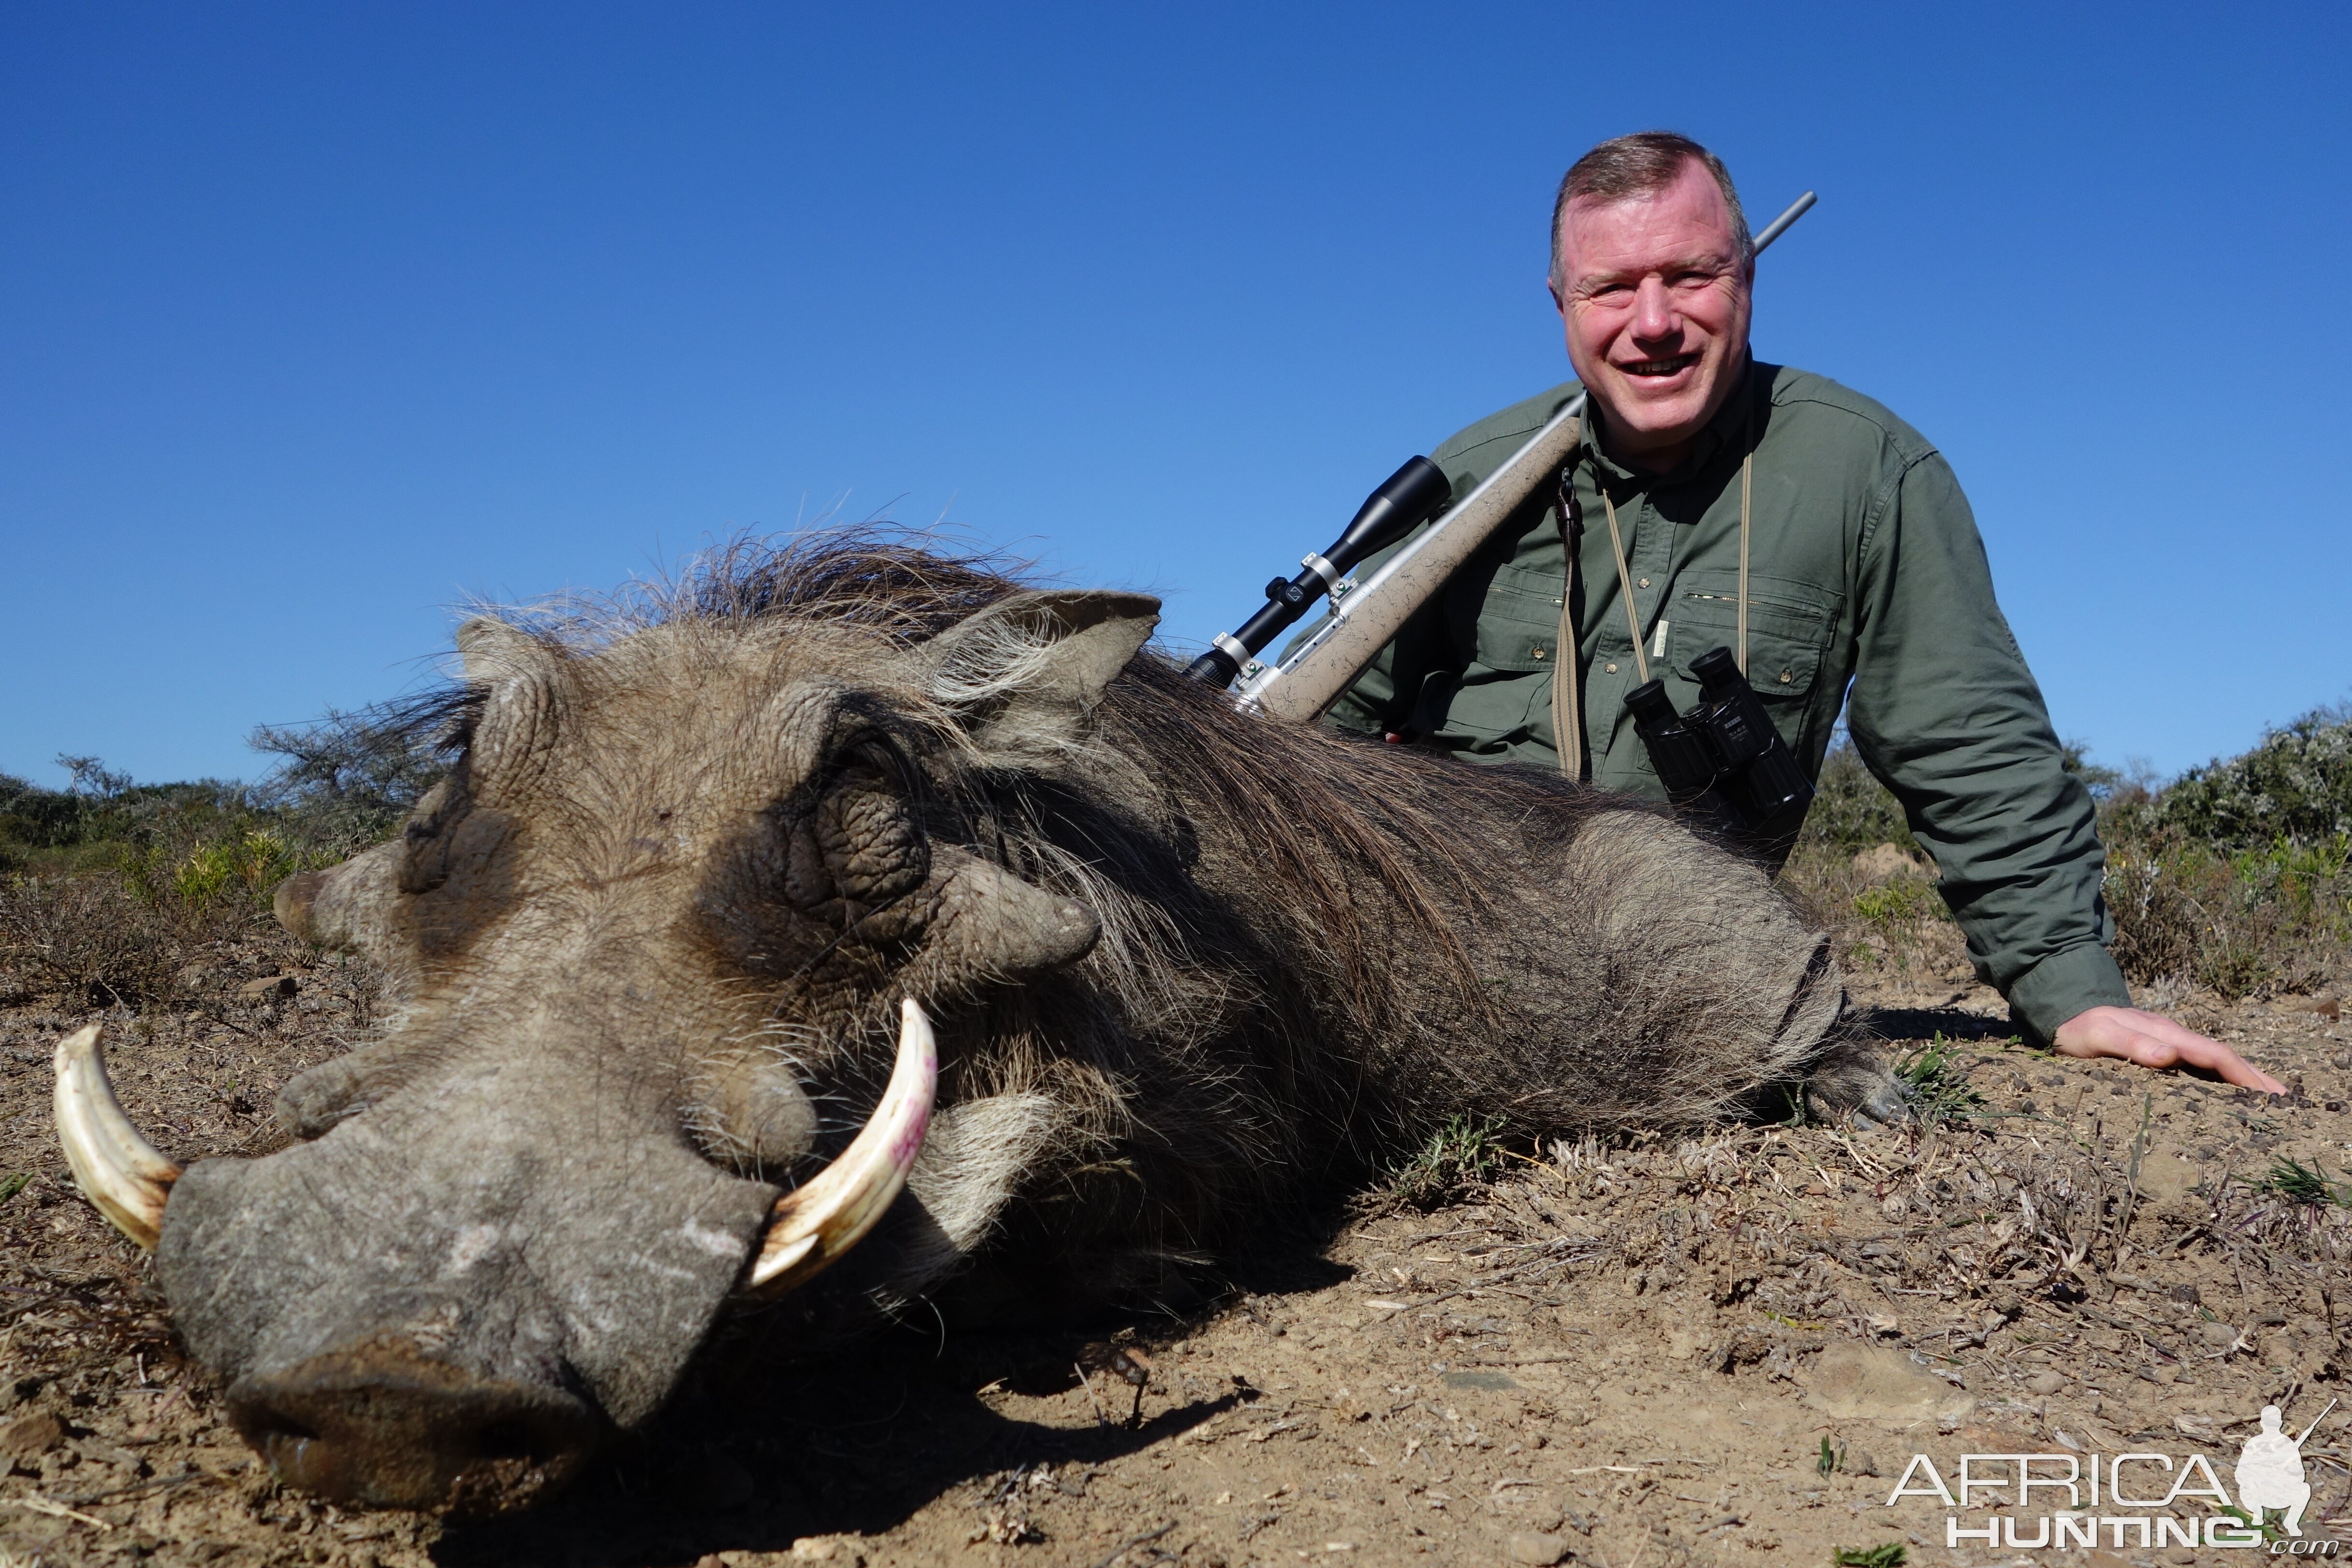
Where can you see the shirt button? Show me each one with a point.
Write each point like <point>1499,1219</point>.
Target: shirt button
<point>1645,582</point>
<point>1612,669</point>
<point>1788,677</point>
<point>1538,653</point>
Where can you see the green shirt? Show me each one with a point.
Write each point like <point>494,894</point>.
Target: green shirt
<point>1865,572</point>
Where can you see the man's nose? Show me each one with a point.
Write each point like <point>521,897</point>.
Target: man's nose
<point>1654,315</point>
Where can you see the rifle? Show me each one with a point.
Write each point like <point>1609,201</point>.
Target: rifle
<point>1366,618</point>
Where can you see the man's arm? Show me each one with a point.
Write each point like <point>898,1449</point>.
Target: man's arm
<point>1945,712</point>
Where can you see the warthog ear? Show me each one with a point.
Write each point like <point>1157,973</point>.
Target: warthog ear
<point>1025,672</point>
<point>495,650</point>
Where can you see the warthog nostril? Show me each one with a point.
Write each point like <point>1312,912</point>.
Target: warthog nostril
<point>378,1423</point>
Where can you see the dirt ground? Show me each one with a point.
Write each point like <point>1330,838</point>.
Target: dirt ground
<point>1648,1353</point>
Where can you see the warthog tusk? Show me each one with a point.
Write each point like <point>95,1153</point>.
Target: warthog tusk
<point>116,1168</point>
<point>813,1224</point>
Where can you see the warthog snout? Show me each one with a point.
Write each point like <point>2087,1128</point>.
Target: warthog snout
<point>379,1424</point>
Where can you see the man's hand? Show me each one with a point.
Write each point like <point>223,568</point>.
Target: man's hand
<point>2154,1040</point>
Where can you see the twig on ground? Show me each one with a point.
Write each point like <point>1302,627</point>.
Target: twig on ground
<point>1088,1385</point>
<point>1131,1545</point>
<point>39,1504</point>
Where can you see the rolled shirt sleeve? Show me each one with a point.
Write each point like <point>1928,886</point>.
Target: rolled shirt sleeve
<point>1945,712</point>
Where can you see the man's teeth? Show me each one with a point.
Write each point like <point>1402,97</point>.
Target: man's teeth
<point>1659,367</point>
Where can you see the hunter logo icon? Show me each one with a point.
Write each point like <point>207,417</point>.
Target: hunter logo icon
<point>2270,1472</point>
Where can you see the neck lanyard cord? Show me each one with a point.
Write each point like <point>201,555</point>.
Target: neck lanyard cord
<point>1747,478</point>
<point>1625,577</point>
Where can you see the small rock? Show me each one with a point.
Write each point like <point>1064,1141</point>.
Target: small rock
<point>1850,1379</point>
<point>819,1549</point>
<point>2221,1336</point>
<point>31,1435</point>
<point>1490,1380</point>
<point>2326,1005</point>
<point>268,986</point>
<point>1543,1551</point>
<point>2165,1177</point>
<point>2045,1382</point>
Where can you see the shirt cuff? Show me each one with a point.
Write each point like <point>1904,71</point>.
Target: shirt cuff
<point>2062,986</point>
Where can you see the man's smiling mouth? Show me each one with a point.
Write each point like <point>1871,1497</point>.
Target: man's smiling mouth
<point>1672,364</point>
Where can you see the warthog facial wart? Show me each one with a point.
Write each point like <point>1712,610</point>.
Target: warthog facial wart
<point>849,927</point>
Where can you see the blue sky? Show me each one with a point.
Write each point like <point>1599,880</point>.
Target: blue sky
<point>317,319</point>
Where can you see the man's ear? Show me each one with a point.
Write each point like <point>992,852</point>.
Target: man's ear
<point>1026,672</point>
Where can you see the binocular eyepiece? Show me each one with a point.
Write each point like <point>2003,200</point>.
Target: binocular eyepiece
<point>1724,748</point>
<point>1406,499</point>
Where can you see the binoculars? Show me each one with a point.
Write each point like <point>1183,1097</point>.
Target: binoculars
<point>1726,749</point>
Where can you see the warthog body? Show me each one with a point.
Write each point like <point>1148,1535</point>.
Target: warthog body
<point>649,938</point>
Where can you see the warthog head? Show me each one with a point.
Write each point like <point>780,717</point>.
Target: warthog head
<point>666,944</point>
<point>656,942</point>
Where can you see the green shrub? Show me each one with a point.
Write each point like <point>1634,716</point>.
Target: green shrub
<point>109,889</point>
<point>1891,1555</point>
<point>1852,809</point>
<point>2278,917</point>
<point>1899,902</point>
<point>2295,786</point>
<point>1934,1079</point>
<point>90,937</point>
<point>1458,1154</point>
<point>2234,877</point>
<point>2307,1185</point>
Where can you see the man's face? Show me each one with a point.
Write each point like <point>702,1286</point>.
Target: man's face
<point>1656,296</point>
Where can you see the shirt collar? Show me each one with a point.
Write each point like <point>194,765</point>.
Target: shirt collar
<point>1728,430</point>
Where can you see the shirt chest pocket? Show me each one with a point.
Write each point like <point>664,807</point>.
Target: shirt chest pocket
<point>1517,628</point>
<point>1789,627</point>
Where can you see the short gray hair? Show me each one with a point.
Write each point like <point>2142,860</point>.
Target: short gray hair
<point>1642,164</point>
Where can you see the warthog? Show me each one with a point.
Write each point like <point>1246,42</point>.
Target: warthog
<point>695,869</point>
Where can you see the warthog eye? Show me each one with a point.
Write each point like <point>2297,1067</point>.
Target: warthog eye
<point>425,859</point>
<point>828,866</point>
<point>859,844</point>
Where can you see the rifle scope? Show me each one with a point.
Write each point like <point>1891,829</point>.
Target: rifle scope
<point>1405,500</point>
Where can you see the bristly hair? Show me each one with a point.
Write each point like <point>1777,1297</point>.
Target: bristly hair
<point>906,585</point>
<point>893,583</point>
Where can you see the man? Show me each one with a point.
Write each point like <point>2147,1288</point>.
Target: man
<point>1860,563</point>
